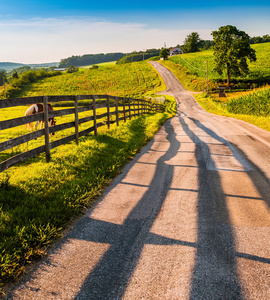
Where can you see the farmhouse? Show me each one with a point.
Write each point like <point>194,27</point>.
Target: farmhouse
<point>60,69</point>
<point>175,51</point>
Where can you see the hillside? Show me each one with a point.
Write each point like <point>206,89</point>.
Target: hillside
<point>195,64</point>
<point>9,66</point>
<point>128,80</point>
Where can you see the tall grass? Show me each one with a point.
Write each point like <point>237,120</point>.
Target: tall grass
<point>256,104</point>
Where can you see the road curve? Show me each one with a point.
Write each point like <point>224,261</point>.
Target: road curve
<point>188,218</point>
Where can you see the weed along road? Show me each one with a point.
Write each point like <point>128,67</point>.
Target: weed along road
<point>188,218</point>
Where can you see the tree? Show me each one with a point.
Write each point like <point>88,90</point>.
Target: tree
<point>72,69</point>
<point>164,53</point>
<point>192,43</point>
<point>231,51</point>
<point>15,75</point>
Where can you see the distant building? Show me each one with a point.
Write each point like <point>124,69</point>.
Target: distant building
<point>175,51</point>
<point>60,69</point>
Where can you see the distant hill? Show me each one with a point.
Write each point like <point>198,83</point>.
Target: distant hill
<point>90,59</point>
<point>9,66</point>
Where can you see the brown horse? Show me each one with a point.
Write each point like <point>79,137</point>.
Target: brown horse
<point>38,108</point>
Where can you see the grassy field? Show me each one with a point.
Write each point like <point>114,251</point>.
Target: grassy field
<point>128,80</point>
<point>194,66</point>
<point>105,64</point>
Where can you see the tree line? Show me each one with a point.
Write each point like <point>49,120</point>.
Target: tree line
<point>89,59</point>
<point>17,81</point>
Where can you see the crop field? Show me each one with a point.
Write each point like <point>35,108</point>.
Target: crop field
<point>255,104</point>
<point>196,64</point>
<point>128,80</point>
<point>105,64</point>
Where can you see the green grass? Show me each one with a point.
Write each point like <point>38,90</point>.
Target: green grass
<point>129,80</point>
<point>105,64</point>
<point>38,199</point>
<point>194,65</point>
<point>215,106</point>
<point>255,104</point>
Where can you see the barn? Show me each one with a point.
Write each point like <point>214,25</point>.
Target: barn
<point>175,51</point>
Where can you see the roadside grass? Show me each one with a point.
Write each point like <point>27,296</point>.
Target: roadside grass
<point>39,199</point>
<point>210,104</point>
<point>216,105</point>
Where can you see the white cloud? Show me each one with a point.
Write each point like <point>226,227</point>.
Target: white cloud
<point>47,40</point>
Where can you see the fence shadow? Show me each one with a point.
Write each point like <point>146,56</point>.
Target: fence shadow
<point>214,274</point>
<point>109,278</point>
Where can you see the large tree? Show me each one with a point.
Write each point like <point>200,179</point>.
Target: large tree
<point>164,53</point>
<point>231,51</point>
<point>192,43</point>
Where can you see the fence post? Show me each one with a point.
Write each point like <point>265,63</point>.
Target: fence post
<point>124,109</point>
<point>95,115</point>
<point>134,107</point>
<point>116,110</point>
<point>129,108</point>
<point>76,120</point>
<point>108,112</point>
<point>46,128</point>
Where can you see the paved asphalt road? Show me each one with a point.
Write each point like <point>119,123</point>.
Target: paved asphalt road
<point>188,218</point>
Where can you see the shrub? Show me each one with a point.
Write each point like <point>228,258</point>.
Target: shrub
<point>72,69</point>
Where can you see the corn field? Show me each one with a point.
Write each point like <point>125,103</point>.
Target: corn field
<point>256,104</point>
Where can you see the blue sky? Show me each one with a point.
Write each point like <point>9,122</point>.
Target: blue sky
<point>47,31</point>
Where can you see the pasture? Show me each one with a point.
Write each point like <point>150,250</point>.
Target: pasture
<point>128,80</point>
<point>194,66</point>
<point>105,64</point>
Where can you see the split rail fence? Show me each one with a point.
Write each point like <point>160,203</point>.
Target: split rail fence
<point>118,107</point>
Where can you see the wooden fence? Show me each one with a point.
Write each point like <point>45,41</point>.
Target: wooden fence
<point>119,107</point>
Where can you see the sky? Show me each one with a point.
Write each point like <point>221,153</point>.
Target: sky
<point>34,31</point>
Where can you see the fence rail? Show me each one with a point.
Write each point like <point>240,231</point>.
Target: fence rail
<point>124,108</point>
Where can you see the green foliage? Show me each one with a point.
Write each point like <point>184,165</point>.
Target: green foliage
<point>27,78</point>
<point>72,69</point>
<point>256,104</point>
<point>231,51</point>
<point>164,53</point>
<point>138,56</point>
<point>128,80</point>
<point>194,68</point>
<point>15,75</point>
<point>89,59</point>
<point>259,39</point>
<point>192,43</point>
<point>214,106</point>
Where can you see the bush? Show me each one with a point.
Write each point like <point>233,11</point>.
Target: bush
<point>72,69</point>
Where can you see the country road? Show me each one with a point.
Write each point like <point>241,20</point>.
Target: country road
<point>188,218</point>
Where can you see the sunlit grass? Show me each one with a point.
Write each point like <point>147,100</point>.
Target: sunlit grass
<point>38,199</point>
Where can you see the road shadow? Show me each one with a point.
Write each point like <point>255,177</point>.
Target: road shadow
<point>110,276</point>
<point>214,275</point>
